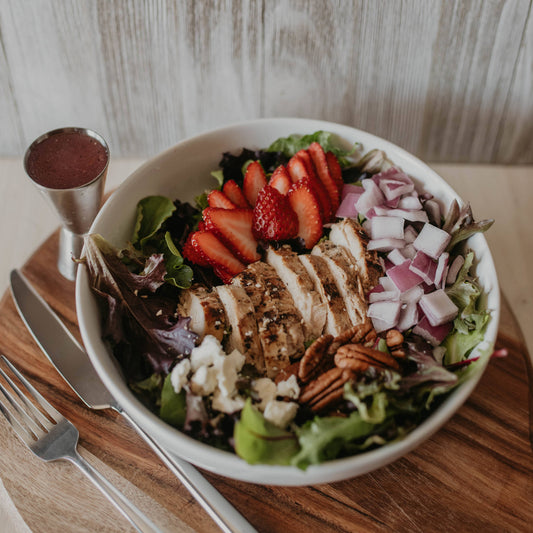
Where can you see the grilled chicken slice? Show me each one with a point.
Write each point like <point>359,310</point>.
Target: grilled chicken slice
<point>337,319</point>
<point>279,323</point>
<point>206,311</point>
<point>353,238</point>
<point>344,270</point>
<point>242,325</point>
<point>298,282</point>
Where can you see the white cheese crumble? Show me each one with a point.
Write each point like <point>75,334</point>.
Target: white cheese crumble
<point>289,388</point>
<point>280,413</point>
<point>211,371</point>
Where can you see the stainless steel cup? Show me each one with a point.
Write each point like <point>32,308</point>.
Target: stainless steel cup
<point>77,207</point>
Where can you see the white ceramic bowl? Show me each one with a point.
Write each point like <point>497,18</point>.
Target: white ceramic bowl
<point>182,172</point>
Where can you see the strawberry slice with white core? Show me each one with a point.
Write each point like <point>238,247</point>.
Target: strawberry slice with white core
<point>254,181</point>
<point>298,169</point>
<point>234,228</point>
<point>216,254</point>
<point>305,204</point>
<point>217,198</point>
<point>280,180</point>
<point>319,159</point>
<point>309,165</point>
<point>232,190</point>
<point>273,217</point>
<point>192,252</point>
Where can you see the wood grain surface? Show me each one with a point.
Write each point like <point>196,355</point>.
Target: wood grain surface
<point>449,80</point>
<point>476,474</point>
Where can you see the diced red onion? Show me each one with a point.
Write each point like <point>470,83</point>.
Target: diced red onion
<point>386,228</point>
<point>438,307</point>
<point>396,257</point>
<point>433,210</point>
<point>393,204</point>
<point>408,317</point>
<point>413,216</point>
<point>371,197</point>
<point>394,183</point>
<point>432,241</point>
<point>442,265</point>
<point>387,284</point>
<point>385,245</point>
<point>403,277</point>
<point>409,202</point>
<point>380,325</point>
<point>411,296</point>
<point>454,269</point>
<point>410,233</point>
<point>424,266</point>
<point>388,311</point>
<point>349,188</point>
<point>347,208</point>
<point>433,334</point>
<point>382,296</point>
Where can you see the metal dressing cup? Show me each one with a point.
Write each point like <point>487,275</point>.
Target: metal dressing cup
<point>69,167</point>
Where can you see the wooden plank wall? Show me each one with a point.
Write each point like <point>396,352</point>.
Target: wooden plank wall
<point>450,80</point>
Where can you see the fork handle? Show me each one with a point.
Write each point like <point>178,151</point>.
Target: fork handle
<point>227,518</point>
<point>134,515</point>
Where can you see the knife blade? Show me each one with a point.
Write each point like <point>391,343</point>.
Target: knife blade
<point>72,362</point>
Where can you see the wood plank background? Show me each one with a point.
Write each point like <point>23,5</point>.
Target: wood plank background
<point>449,80</point>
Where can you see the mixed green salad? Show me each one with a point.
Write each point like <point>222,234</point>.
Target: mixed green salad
<point>138,288</point>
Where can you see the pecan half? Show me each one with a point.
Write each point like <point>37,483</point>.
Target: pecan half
<point>363,333</point>
<point>364,353</point>
<point>326,390</point>
<point>315,359</point>
<point>394,340</point>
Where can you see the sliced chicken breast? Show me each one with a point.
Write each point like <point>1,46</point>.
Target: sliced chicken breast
<point>353,238</point>
<point>279,323</point>
<point>337,319</point>
<point>344,270</point>
<point>302,289</point>
<point>242,325</point>
<point>205,309</point>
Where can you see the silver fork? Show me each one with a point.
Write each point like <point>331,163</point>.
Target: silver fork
<point>56,438</point>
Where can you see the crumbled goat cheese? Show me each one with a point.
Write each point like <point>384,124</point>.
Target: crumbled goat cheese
<point>289,388</point>
<point>180,375</point>
<point>266,391</point>
<point>280,413</point>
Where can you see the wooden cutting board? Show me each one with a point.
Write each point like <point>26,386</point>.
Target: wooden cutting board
<point>476,474</point>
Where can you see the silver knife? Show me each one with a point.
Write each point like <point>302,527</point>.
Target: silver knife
<point>72,362</point>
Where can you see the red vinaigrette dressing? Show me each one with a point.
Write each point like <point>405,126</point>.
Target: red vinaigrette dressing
<point>66,160</point>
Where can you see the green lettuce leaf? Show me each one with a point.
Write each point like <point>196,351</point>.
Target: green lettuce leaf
<point>178,274</point>
<point>469,325</point>
<point>173,408</point>
<point>293,143</point>
<point>152,212</point>
<point>259,441</point>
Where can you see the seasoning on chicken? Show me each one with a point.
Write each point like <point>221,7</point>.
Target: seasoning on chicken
<point>279,323</point>
<point>206,311</point>
<point>298,282</point>
<point>337,319</point>
<point>242,325</point>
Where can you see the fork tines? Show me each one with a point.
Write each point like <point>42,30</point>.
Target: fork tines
<point>27,420</point>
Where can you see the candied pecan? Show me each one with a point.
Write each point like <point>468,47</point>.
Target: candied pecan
<point>328,401</point>
<point>320,384</point>
<point>394,340</point>
<point>360,333</point>
<point>315,359</point>
<point>366,354</point>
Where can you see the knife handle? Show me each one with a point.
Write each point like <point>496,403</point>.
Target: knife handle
<point>219,509</point>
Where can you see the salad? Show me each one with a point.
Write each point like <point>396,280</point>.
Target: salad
<point>311,305</point>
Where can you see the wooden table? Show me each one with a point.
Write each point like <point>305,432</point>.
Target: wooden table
<point>474,474</point>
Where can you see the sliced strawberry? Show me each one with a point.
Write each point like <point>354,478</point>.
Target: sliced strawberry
<point>319,159</point>
<point>298,169</point>
<point>201,225</point>
<point>304,203</point>
<point>232,190</point>
<point>273,217</point>
<point>192,252</point>
<point>280,180</point>
<point>216,254</point>
<point>309,165</point>
<point>234,228</point>
<point>223,274</point>
<point>254,181</point>
<point>335,169</point>
<point>217,198</point>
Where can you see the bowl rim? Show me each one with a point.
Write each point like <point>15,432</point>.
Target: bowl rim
<point>205,455</point>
